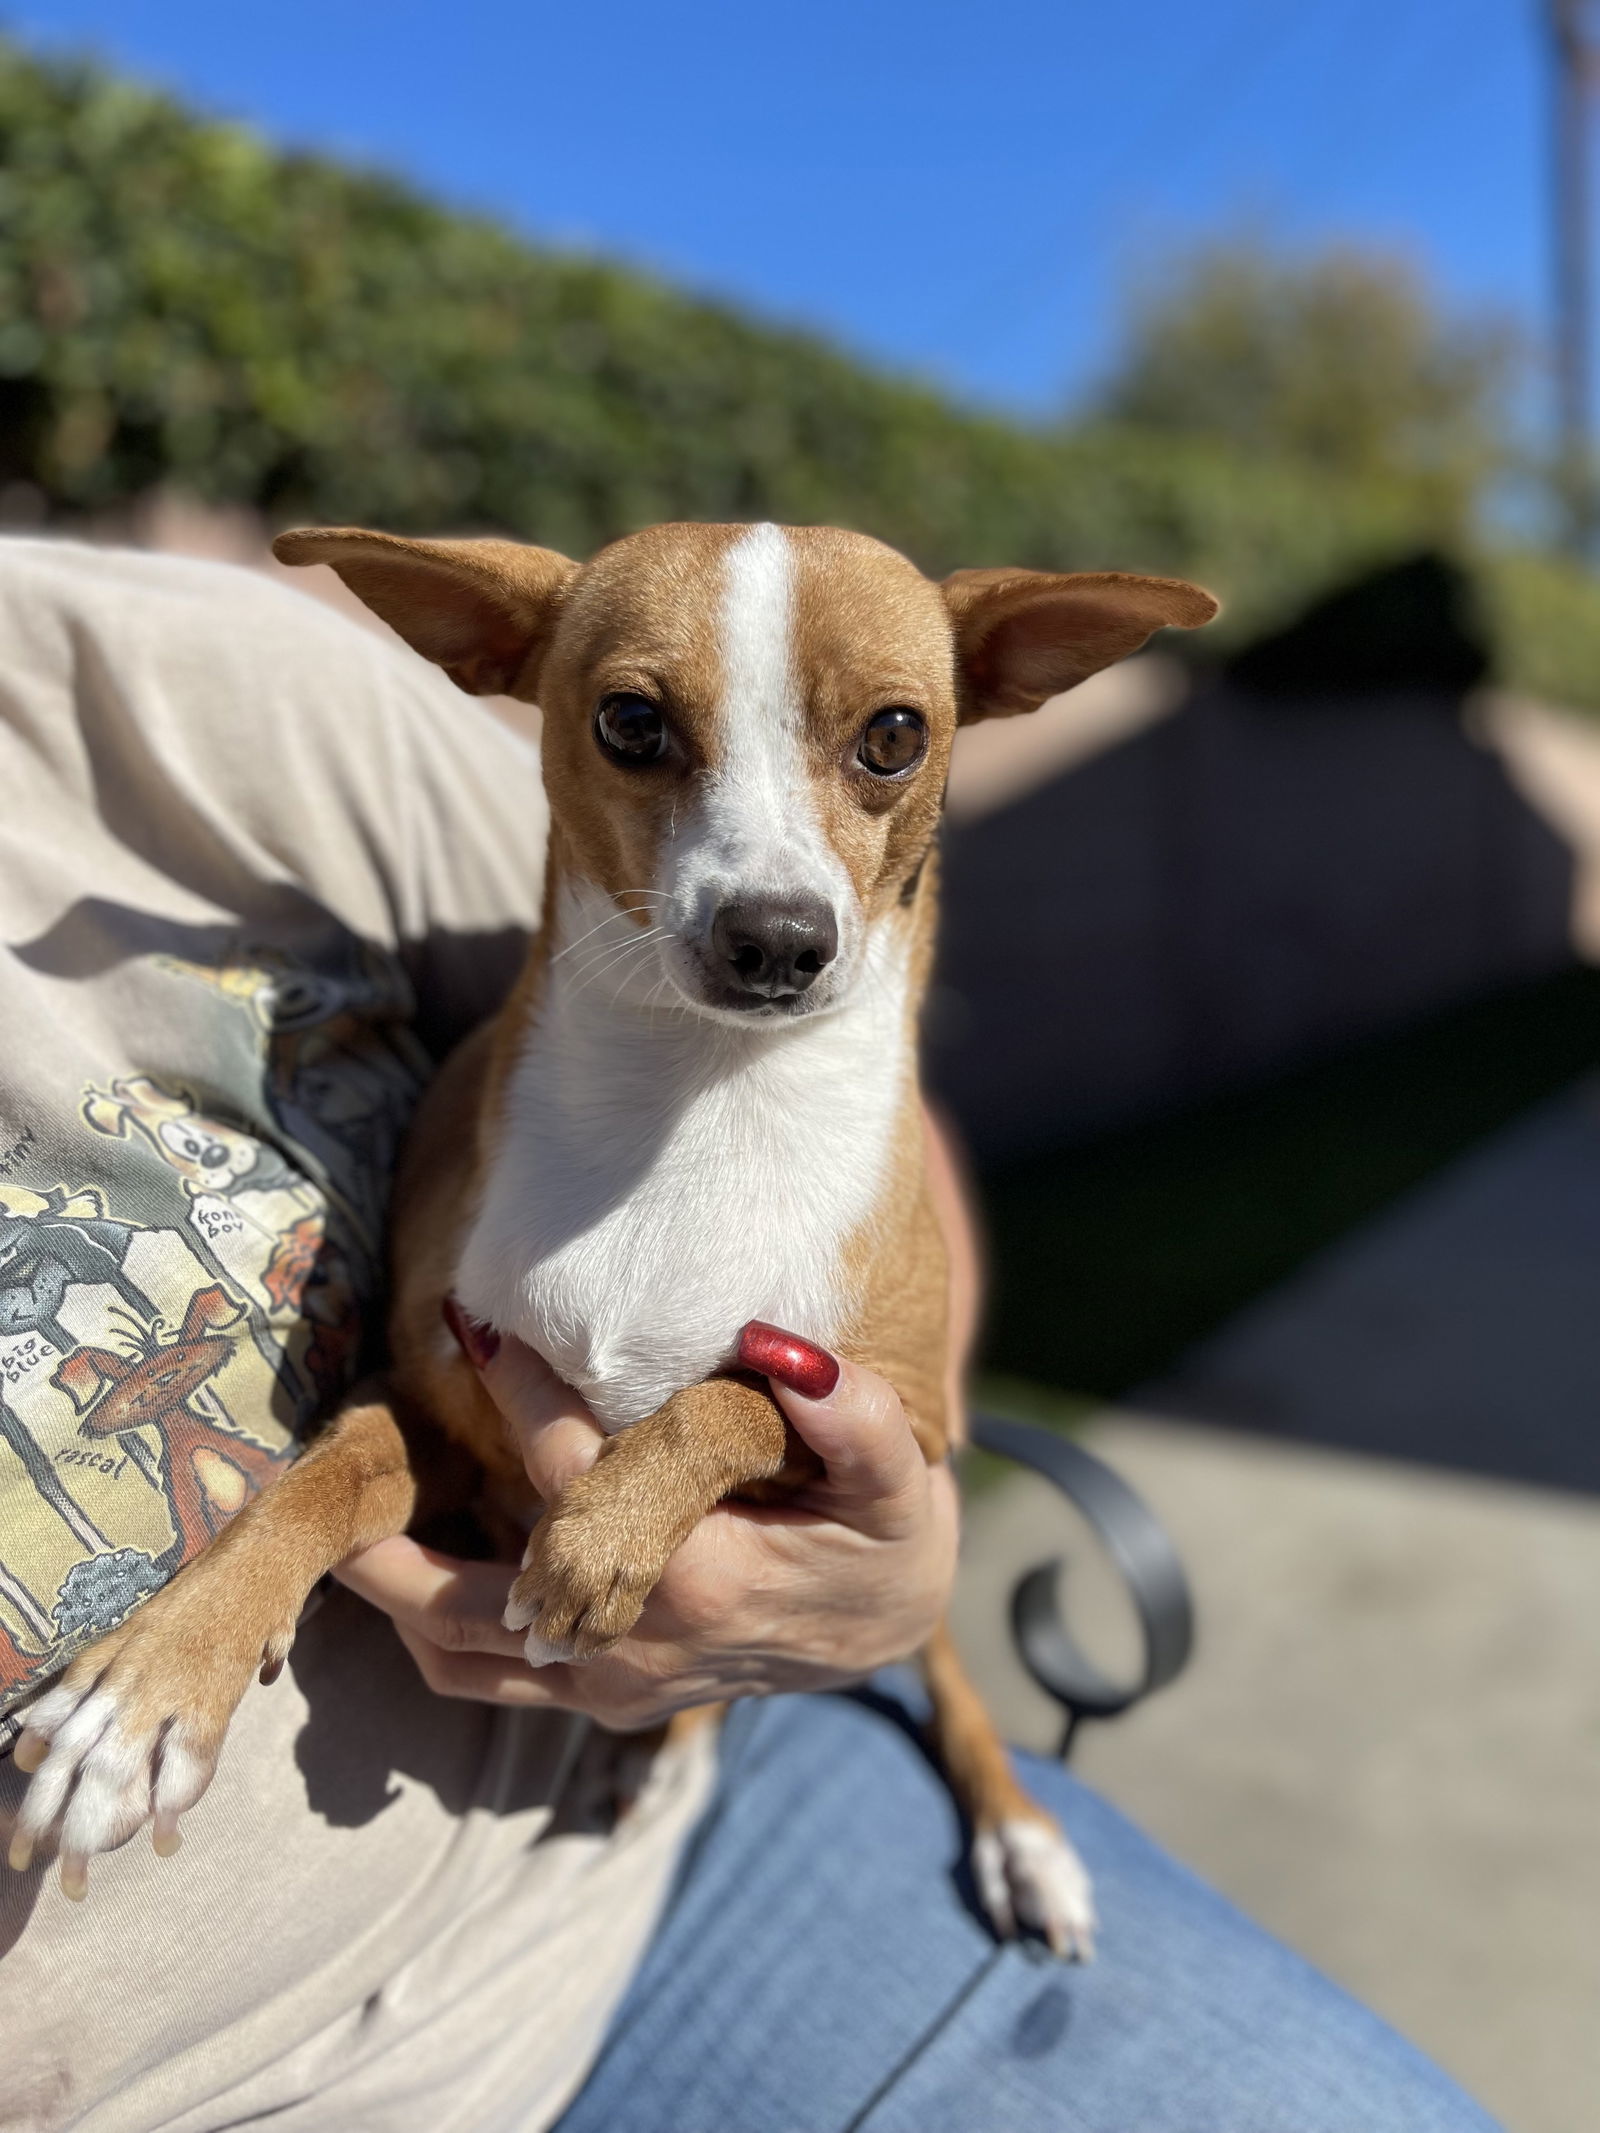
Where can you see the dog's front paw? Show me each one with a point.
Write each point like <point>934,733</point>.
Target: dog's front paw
<point>133,1731</point>
<point>1029,1877</point>
<point>583,1583</point>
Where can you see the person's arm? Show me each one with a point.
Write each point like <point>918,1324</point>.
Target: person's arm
<point>853,1574</point>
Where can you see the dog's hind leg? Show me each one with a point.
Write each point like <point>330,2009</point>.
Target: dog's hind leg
<point>1026,1872</point>
<point>134,1729</point>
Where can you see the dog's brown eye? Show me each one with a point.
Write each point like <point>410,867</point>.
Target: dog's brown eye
<point>895,740</point>
<point>631,730</point>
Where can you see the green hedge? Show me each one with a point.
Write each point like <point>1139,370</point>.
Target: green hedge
<point>1544,617</point>
<point>182,305</point>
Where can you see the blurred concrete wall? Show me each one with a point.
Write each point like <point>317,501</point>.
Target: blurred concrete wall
<point>1215,892</point>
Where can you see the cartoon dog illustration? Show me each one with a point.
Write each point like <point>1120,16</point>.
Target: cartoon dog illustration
<point>208,1470</point>
<point>208,1157</point>
<point>232,1181</point>
<point>343,1072</point>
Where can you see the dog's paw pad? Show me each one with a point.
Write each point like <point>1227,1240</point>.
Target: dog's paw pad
<point>1029,1877</point>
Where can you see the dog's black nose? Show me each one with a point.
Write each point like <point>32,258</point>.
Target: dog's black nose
<point>774,949</point>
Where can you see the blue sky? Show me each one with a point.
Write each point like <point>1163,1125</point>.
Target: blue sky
<point>958,189</point>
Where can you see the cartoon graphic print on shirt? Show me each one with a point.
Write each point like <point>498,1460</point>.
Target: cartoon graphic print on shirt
<point>122,1363</point>
<point>344,1070</point>
<point>160,1357</point>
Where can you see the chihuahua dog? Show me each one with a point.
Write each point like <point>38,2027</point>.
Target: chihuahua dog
<point>687,1154</point>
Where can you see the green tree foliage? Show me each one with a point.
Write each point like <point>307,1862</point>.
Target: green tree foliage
<point>179,303</point>
<point>1337,363</point>
<point>1544,615</point>
<point>183,306</point>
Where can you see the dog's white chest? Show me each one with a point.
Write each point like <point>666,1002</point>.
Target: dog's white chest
<point>656,1189</point>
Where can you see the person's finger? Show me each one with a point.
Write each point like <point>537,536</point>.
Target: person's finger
<point>848,1415</point>
<point>554,1454</point>
<point>556,1433</point>
<point>617,1691</point>
<point>486,1677</point>
<point>446,1613</point>
<point>455,1605</point>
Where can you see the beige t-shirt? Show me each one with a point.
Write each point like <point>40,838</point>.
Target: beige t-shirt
<point>258,869</point>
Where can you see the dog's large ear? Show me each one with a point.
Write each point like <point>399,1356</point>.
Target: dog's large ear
<point>1024,635</point>
<point>485,611</point>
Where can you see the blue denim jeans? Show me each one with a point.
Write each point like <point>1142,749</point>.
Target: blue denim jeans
<point>822,1969</point>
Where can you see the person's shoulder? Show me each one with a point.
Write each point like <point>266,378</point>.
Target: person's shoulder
<point>295,730</point>
<point>136,592</point>
<point>223,652</point>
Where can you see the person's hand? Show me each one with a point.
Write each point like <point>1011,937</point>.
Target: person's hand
<point>850,1574</point>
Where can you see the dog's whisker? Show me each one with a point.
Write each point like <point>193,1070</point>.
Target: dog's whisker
<point>600,967</point>
<point>605,949</point>
<point>610,919</point>
<point>624,974</point>
<point>621,961</point>
<point>606,961</point>
<point>675,1007</point>
<point>874,977</point>
<point>608,949</point>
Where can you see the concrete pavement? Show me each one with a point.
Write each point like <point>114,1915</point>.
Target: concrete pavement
<point>1461,1327</point>
<point>1387,1748</point>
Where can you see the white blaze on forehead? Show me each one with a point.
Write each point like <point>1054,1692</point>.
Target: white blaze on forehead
<point>759,832</point>
<point>757,612</point>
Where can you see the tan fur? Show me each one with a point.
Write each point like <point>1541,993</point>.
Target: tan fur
<point>595,1558</point>
<point>193,1649</point>
<point>482,610</point>
<point>1024,635</point>
<point>869,630</point>
<point>975,1759</point>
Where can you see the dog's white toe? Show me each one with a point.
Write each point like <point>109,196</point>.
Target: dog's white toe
<point>1028,1875</point>
<point>97,1777</point>
<point>100,1777</point>
<point>540,1651</point>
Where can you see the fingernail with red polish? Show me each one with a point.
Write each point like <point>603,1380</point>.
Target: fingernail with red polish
<point>801,1365</point>
<point>477,1339</point>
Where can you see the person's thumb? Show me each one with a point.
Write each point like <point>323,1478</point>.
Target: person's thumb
<point>851,1418</point>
